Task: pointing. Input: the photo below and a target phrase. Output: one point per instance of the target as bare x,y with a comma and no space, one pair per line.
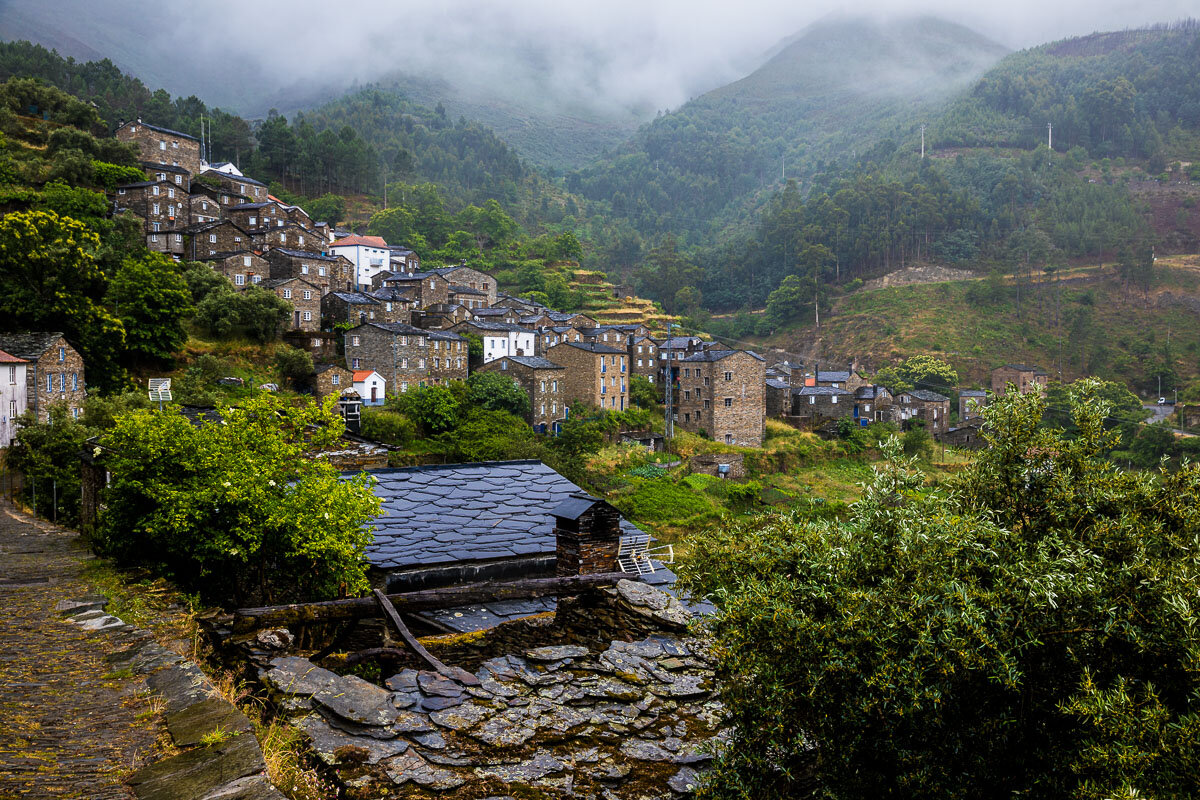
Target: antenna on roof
160,391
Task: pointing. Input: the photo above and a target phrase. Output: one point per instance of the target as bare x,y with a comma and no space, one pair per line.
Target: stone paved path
70,726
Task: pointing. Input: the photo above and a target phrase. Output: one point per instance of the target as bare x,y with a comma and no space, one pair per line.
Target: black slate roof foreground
833,376
438,515
928,396
535,362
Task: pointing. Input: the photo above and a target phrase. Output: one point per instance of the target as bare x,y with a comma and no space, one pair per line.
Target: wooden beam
389,612
252,619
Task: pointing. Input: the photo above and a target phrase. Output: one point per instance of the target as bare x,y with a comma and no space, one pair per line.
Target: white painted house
370,386
14,397
501,339
369,254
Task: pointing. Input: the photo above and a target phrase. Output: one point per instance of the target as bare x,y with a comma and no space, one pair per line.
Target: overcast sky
654,52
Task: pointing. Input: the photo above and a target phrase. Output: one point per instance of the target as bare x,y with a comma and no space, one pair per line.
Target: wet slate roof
535,362
832,376
438,515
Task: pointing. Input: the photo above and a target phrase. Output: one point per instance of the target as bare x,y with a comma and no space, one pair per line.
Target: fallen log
393,616
251,619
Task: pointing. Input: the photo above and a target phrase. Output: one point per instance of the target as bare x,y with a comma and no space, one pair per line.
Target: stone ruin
617,720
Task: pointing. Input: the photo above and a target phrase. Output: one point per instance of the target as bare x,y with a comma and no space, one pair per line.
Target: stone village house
596,374
54,371
161,145
406,356
305,299
14,394
1024,377
722,392
542,380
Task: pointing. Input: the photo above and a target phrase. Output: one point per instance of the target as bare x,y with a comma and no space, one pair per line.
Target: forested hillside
1131,94
831,93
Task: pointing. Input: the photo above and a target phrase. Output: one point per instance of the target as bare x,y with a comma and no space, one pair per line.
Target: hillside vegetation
1089,321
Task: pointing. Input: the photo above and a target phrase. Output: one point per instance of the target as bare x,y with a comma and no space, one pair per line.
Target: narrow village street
71,723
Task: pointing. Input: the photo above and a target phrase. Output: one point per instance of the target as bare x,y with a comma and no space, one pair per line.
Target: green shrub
389,427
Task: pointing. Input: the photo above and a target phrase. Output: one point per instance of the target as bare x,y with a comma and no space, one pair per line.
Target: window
304,269
706,403
49,382
728,376
162,145
74,381
728,402
179,238
283,238
287,294
300,239
404,363
355,363
157,208
253,220
179,182
308,316
307,294
687,394
812,401
120,191
212,239
62,381
335,380
421,363
354,341
458,363
833,399
12,374
240,280
175,145
650,363
62,354
321,270
245,261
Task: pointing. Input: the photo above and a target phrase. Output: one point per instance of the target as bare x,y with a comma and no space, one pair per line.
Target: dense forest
1131,94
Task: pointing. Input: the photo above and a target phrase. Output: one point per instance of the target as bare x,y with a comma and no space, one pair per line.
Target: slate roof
249,206
357,298
718,355
160,167
777,383
496,326
454,289
972,393
833,376
928,396
29,345
437,515
227,254
393,294
1026,368
161,129
593,347
326,367
305,254
869,392
535,362
821,391
491,312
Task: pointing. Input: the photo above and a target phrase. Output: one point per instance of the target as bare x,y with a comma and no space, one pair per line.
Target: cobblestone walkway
70,725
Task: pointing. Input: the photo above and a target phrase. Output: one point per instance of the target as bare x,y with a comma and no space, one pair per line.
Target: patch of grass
117,675
216,736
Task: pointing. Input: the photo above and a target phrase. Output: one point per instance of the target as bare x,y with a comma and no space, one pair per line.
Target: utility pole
1049,136
922,142
669,426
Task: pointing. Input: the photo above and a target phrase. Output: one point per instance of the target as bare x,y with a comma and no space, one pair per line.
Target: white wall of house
368,261
498,344
13,400
373,382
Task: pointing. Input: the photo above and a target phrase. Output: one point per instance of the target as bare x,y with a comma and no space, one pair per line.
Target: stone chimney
587,534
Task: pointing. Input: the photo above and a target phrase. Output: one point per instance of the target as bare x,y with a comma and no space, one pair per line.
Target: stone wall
634,717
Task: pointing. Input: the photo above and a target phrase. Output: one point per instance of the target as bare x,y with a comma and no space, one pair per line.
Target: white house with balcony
369,254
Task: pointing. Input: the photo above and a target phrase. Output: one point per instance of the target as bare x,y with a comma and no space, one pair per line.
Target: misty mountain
836,88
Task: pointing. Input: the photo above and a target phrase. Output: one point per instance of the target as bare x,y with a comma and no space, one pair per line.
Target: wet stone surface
623,721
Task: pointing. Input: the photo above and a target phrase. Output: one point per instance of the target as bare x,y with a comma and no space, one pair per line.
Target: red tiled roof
366,241
361,375
8,358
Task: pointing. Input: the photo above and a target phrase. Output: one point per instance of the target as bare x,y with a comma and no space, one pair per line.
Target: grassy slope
1126,334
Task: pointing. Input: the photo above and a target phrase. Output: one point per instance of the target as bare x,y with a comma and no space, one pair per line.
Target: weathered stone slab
655,604
298,676
411,767
199,772
255,787
356,701
684,781
435,684
539,766
181,685
643,750
191,724
337,747
556,653
461,717
405,681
